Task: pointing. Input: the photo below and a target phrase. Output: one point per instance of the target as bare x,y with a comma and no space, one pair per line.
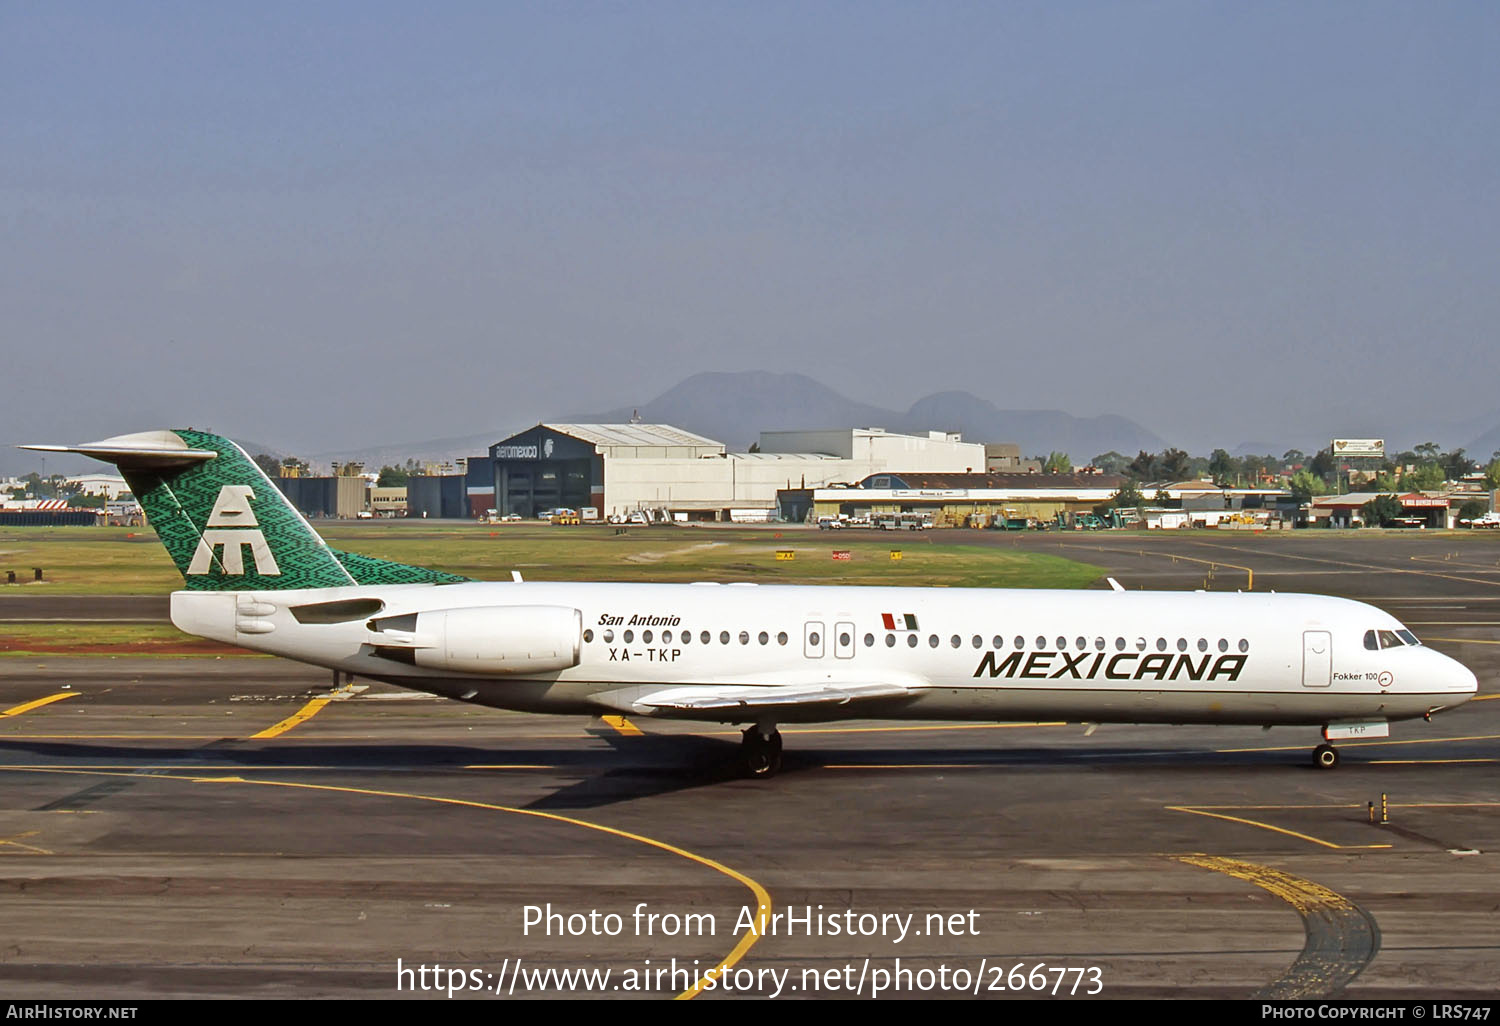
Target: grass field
120,561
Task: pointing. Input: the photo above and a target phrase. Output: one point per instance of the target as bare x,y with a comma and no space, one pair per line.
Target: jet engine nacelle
499,639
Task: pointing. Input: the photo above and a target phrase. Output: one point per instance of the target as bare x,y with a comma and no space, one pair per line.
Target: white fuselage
965,654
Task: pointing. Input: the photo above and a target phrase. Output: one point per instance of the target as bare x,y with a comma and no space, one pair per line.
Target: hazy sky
329,225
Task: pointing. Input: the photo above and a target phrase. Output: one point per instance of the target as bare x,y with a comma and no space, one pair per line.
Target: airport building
620,469
963,500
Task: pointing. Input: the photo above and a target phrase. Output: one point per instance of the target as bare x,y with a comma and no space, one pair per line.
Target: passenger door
1317,659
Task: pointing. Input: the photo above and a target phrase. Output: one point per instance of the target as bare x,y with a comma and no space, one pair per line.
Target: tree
1142,468
269,464
87,501
1428,450
1255,468
1323,464
1057,463
1305,484
1109,462
1292,457
1385,482
1455,464
1492,475
392,477
1424,478
1223,467
1174,464
1382,511
1128,497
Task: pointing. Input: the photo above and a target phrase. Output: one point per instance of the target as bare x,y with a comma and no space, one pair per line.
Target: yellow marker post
895,555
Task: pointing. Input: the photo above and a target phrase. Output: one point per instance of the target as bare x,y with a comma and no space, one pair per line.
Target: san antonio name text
1097,665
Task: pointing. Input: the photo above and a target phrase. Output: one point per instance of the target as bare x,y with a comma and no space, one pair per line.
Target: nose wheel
1325,757
760,751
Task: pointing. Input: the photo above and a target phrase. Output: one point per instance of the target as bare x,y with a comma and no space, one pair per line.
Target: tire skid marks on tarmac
1342,938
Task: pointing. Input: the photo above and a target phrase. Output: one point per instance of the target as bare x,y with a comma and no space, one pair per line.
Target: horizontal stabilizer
146,450
707,699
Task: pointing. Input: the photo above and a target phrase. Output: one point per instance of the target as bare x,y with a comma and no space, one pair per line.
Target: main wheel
761,756
1325,757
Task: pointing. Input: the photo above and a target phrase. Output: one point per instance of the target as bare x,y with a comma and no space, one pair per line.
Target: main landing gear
760,751
1326,757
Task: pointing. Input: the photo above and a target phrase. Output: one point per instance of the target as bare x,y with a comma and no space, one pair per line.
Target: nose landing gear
760,751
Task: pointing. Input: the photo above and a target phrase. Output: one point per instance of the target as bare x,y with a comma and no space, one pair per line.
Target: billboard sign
1359,448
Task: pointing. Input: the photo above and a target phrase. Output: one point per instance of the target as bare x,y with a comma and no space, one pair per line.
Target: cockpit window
1408,637
1370,642
1388,639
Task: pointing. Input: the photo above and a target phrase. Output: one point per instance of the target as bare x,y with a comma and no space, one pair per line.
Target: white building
621,468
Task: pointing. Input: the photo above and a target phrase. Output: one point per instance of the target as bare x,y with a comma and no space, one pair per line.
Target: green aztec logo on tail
228,528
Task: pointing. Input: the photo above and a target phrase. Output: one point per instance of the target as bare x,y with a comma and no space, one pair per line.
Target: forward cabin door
812,639
1317,659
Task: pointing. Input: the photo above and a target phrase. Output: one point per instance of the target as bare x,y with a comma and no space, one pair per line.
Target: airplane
256,575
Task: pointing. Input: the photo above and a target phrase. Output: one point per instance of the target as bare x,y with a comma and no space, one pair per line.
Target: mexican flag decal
899,621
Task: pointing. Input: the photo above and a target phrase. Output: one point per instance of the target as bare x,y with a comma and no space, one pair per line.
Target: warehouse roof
632,434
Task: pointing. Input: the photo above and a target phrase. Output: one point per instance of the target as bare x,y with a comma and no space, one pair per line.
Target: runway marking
1203,811
510,766
26,707
1423,762
1453,623
307,712
762,896
1357,566
1342,938
623,725
302,715
14,842
906,765
1466,641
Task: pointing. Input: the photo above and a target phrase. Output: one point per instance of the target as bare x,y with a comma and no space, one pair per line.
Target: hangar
620,469
956,500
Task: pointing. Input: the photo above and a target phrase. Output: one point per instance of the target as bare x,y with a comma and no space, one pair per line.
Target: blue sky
329,225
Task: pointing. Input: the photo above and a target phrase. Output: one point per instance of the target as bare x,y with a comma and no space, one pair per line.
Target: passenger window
1161,644
723,637
978,641
890,641
1062,644
1041,642
1099,644
705,637
588,635
955,641
1244,645
781,637
763,638
1223,644
911,641
999,642
628,637
869,640
1119,644
646,637
666,637
1140,644
1182,644
609,636
687,637
1202,644
1020,641
1083,643
745,638
932,641
814,639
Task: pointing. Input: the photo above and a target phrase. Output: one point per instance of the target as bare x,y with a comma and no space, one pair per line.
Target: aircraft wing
766,698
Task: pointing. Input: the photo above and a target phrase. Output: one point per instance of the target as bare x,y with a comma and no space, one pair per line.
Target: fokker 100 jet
259,577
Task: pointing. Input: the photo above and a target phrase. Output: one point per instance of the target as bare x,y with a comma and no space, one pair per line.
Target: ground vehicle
565,516
830,523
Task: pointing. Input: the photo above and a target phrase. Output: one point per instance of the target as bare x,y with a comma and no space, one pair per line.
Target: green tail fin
226,526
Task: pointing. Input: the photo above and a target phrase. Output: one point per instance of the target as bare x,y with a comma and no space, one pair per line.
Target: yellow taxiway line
26,707
1267,826
623,725
302,715
762,896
